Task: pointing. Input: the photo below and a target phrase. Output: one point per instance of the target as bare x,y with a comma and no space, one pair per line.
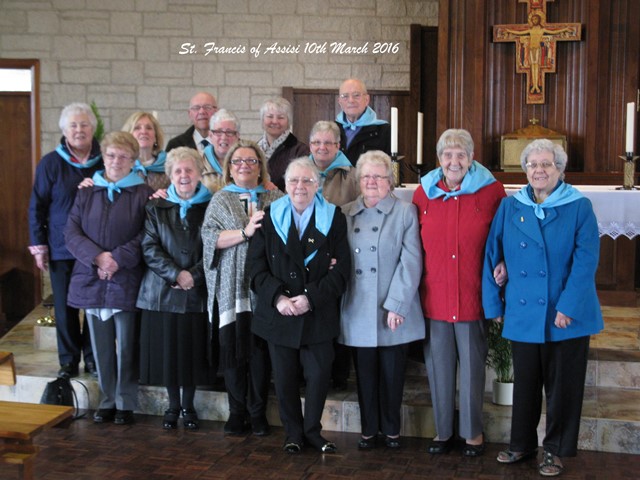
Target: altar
617,211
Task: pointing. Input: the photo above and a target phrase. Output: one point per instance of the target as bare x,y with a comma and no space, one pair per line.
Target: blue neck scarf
202,195
563,194
476,178
341,160
210,155
281,212
130,180
157,166
64,152
369,117
232,187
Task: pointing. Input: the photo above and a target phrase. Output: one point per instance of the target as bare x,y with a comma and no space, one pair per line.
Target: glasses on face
375,178
318,143
112,156
206,108
543,165
306,181
246,161
355,96
228,133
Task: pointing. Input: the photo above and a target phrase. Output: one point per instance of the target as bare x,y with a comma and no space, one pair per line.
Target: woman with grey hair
234,215
456,203
174,347
381,311
547,235
278,143
77,157
299,266
224,131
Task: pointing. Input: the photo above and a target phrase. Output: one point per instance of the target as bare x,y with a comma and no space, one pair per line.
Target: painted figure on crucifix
536,46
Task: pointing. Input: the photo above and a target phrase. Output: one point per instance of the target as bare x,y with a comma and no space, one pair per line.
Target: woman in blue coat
547,235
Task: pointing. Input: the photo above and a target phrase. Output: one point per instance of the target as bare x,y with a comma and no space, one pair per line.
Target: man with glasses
360,128
201,108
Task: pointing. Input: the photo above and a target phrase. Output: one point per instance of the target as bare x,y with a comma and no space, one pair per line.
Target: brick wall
125,54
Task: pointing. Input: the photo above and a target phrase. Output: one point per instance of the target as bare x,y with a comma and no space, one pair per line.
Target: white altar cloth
617,211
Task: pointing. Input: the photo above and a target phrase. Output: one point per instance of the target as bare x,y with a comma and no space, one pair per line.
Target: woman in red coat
456,203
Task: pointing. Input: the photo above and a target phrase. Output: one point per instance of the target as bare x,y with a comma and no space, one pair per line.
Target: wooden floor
86,450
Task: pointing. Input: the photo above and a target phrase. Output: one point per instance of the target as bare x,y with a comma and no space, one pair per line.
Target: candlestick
628,178
419,141
631,115
394,130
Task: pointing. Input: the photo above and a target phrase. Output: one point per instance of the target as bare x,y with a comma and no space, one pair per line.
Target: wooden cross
536,45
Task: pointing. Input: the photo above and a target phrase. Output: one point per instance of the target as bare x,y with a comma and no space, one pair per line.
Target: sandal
549,467
508,456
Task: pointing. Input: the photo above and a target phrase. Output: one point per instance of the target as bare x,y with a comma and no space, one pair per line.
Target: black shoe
322,444
438,447
170,419
190,419
104,415
392,442
473,450
68,370
90,368
292,447
329,447
367,443
124,417
260,426
236,425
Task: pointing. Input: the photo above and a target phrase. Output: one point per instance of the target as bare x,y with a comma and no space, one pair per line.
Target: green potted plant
499,360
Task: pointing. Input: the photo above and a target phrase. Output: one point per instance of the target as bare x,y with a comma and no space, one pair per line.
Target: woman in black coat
173,294
300,264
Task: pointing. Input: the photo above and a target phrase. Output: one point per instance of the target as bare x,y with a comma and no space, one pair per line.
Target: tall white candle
394,130
631,116
419,140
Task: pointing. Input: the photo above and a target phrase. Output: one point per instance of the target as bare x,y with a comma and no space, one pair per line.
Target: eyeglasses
306,181
356,96
246,161
543,165
375,178
206,108
228,133
318,143
112,156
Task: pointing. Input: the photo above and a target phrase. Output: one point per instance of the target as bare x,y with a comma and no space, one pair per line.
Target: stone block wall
153,55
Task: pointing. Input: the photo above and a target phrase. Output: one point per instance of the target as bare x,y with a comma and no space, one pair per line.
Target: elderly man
201,108
360,129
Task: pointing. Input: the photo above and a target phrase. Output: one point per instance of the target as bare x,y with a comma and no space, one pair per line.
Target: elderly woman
56,182
299,269
381,311
456,203
173,339
224,132
234,215
151,162
339,186
547,235
280,146
103,233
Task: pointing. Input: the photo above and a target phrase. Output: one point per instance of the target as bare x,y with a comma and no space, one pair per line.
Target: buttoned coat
371,137
385,274
551,265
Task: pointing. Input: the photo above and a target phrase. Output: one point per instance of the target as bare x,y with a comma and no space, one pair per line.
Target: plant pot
502,393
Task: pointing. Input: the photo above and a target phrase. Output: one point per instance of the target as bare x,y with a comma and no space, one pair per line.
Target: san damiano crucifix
536,45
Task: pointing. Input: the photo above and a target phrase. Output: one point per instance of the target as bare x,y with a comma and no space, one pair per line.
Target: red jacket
453,234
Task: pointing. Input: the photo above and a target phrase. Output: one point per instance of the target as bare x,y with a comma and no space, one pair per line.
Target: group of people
246,256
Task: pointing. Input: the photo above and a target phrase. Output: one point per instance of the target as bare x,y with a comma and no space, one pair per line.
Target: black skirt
175,350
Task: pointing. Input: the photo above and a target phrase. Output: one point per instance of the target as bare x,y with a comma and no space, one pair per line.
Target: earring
155,145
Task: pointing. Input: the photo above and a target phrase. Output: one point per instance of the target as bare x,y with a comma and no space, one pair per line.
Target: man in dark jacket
202,106
360,129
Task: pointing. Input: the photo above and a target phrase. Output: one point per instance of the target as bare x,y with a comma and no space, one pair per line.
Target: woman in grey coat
381,311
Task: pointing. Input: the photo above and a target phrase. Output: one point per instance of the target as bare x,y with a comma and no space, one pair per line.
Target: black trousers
560,368
73,340
380,376
315,361
248,383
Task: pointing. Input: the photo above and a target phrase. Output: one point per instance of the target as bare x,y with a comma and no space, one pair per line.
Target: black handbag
61,392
